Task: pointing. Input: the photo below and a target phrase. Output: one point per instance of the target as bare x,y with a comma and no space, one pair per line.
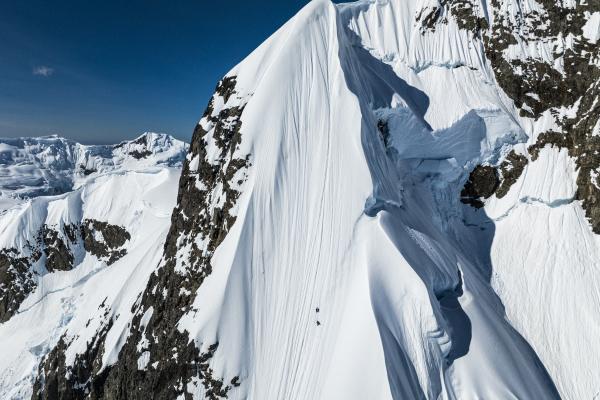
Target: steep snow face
370,208
543,256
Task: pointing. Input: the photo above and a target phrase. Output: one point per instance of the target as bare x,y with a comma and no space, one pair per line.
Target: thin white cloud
43,70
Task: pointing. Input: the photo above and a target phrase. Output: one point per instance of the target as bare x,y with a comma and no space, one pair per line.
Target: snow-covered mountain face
31,167
386,200
64,203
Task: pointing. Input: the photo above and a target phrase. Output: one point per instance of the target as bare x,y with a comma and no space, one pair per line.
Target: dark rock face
101,239
384,132
86,171
144,147
172,360
463,12
58,254
428,17
537,87
226,88
16,282
140,154
510,170
54,372
486,180
483,182
549,138
17,278
142,141
61,381
108,247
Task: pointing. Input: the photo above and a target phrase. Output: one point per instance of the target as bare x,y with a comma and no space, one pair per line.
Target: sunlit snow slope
386,200
72,261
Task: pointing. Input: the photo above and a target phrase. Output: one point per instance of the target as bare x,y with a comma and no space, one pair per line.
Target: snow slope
331,205
77,300
370,208
331,216
123,191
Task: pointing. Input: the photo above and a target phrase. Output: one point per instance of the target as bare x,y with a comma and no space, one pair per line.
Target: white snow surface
591,29
48,165
352,270
414,299
136,194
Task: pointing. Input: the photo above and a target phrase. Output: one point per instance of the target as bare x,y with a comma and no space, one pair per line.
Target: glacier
377,203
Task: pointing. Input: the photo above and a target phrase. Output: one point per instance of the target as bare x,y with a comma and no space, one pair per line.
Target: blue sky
103,71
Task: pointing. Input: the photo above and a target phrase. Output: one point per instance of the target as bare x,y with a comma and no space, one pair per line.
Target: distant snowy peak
148,150
31,167
151,145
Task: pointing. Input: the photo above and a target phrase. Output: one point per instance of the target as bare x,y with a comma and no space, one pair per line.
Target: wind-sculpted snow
378,203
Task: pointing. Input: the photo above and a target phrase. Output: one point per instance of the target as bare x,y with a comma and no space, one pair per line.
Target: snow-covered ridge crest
31,167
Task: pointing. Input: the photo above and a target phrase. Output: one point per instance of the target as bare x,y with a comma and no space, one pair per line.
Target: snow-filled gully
415,205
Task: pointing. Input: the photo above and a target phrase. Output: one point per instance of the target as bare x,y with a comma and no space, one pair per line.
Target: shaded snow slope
370,208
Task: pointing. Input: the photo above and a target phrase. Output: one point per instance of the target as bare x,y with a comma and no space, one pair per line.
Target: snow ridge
378,203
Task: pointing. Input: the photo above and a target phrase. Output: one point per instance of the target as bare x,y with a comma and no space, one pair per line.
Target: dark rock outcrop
58,253
138,155
16,282
172,359
483,182
462,11
58,244
510,170
537,87
104,240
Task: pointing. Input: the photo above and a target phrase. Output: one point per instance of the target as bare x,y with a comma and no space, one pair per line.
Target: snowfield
325,243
